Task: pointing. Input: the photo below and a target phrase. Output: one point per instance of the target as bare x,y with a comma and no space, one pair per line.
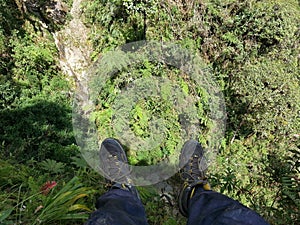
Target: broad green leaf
4,214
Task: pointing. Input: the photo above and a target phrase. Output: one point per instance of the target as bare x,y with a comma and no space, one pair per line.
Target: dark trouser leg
118,207
212,208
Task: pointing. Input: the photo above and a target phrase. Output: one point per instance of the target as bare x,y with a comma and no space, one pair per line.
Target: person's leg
118,207
209,207
122,204
203,206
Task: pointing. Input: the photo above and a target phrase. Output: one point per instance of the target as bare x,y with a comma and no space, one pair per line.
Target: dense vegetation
252,48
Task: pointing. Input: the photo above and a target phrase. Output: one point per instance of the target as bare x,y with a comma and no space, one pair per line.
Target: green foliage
66,203
52,166
35,119
9,17
34,62
11,175
288,177
147,110
140,120
252,47
119,21
159,208
34,94
41,128
8,93
4,214
268,92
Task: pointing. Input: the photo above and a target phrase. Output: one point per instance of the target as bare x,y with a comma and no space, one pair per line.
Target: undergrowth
251,47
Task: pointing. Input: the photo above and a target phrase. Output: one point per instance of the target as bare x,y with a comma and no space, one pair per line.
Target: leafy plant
252,48
156,108
65,204
52,166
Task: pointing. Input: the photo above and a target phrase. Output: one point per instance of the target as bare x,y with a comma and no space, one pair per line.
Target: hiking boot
193,164
114,166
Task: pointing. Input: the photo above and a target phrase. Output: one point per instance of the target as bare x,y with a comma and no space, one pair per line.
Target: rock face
55,10
74,46
71,36
75,51
50,12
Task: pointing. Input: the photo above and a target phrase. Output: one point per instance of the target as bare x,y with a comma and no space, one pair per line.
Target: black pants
120,207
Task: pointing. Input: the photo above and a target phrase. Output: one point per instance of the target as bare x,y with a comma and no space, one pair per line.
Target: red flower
47,187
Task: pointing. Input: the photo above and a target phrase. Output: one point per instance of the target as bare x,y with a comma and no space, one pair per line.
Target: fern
291,185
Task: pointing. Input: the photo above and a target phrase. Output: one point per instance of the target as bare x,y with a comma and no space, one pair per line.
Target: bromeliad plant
66,204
